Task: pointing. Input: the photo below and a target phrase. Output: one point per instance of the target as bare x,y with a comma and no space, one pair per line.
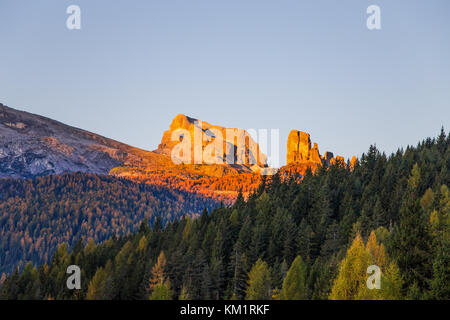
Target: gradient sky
288,64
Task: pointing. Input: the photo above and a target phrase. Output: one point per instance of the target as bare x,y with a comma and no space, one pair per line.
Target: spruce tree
411,243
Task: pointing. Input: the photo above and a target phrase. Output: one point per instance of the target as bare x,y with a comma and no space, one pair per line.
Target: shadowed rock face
32,145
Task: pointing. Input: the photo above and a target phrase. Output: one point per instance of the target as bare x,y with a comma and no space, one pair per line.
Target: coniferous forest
37,215
312,239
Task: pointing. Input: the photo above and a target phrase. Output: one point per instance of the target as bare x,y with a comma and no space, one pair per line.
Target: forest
36,215
312,239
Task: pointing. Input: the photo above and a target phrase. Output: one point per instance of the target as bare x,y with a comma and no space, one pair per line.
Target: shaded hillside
37,215
32,145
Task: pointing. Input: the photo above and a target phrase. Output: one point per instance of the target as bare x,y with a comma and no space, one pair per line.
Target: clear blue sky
288,64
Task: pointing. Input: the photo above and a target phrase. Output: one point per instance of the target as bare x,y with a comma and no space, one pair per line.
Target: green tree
352,272
162,291
411,242
96,285
259,282
184,294
294,285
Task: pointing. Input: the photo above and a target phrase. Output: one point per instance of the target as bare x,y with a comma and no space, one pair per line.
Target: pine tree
440,283
239,269
411,243
440,229
304,240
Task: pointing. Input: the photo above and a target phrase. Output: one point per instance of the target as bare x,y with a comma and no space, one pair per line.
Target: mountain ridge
32,145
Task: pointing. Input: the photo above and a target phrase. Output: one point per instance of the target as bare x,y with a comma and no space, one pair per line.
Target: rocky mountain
32,145
193,155
200,157
301,156
299,151
213,144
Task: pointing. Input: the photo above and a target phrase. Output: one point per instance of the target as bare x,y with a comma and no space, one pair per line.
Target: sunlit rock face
301,156
212,144
299,149
222,160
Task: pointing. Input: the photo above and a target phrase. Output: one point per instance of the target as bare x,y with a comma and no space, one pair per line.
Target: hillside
38,215
308,240
33,146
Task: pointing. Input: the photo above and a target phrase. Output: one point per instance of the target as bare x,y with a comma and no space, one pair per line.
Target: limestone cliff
211,144
300,155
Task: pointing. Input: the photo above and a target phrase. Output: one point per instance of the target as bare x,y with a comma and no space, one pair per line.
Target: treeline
289,240
38,215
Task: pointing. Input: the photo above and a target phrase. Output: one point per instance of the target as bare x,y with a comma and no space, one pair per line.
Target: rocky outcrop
298,146
301,155
337,160
299,149
353,162
327,157
32,145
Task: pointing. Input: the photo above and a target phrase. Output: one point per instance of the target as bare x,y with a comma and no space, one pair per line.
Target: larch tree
294,285
162,291
352,272
159,285
158,275
390,279
96,285
259,282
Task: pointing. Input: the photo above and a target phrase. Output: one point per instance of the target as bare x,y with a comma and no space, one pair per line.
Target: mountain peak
182,121
300,156
213,144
